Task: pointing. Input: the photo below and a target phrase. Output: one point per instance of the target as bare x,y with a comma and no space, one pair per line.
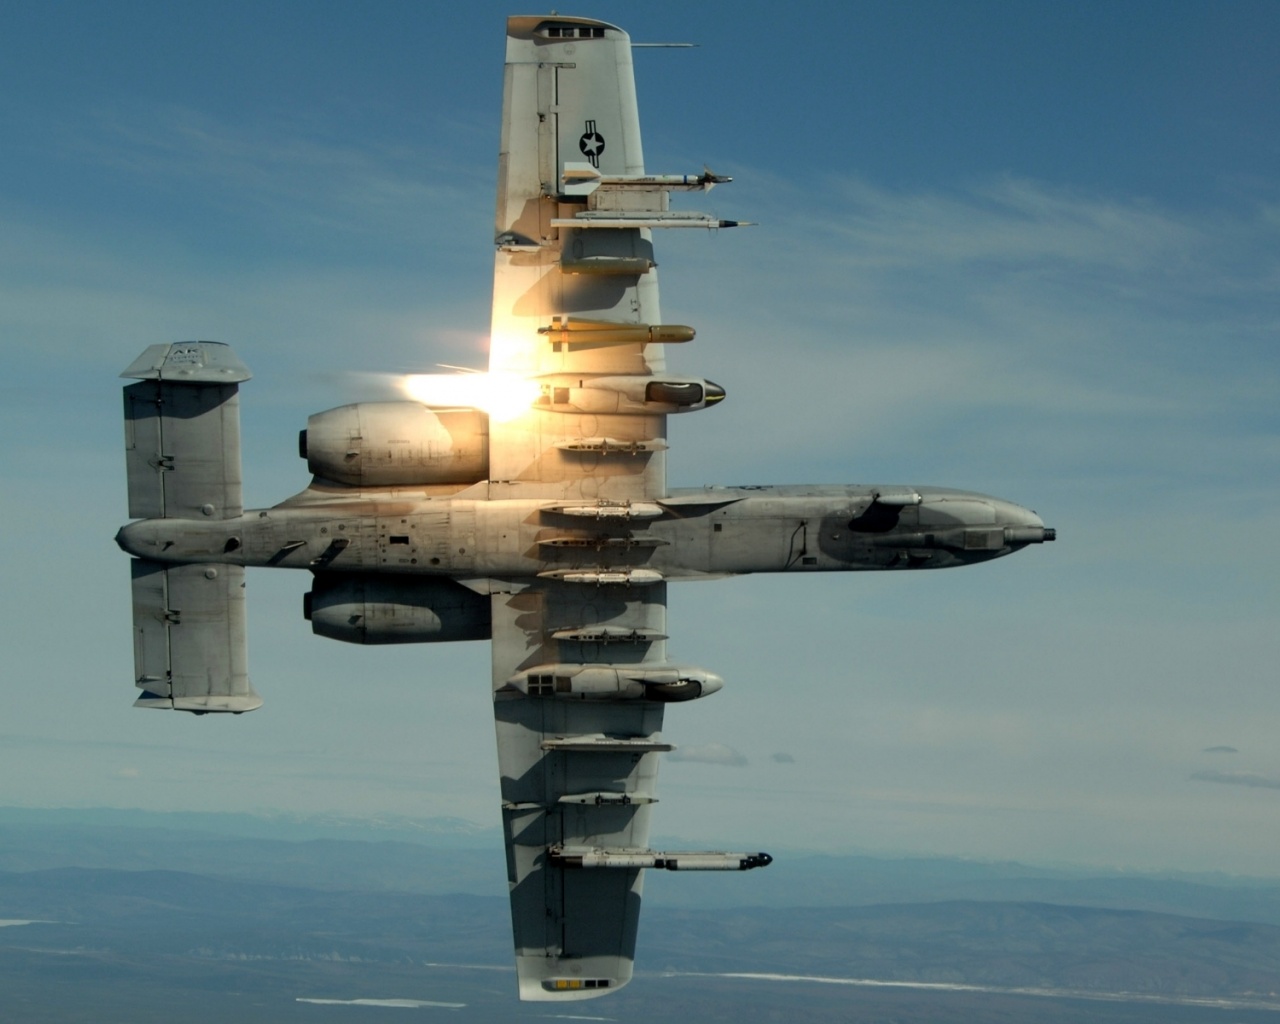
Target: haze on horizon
1031,250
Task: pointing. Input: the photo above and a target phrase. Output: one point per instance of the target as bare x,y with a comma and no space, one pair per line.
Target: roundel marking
591,144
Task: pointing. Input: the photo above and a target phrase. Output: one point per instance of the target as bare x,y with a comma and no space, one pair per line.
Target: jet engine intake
397,444
360,609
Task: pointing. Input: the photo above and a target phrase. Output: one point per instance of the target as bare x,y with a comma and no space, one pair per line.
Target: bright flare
502,396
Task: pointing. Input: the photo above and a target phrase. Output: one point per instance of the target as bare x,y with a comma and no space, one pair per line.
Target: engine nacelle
359,609
397,444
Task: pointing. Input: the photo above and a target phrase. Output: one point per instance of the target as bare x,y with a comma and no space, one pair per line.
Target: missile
572,331
664,684
645,219
625,394
605,577
609,510
583,179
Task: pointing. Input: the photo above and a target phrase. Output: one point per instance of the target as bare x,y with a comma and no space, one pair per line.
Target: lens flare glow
502,396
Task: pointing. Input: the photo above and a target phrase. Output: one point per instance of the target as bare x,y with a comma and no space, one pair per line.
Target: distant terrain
137,922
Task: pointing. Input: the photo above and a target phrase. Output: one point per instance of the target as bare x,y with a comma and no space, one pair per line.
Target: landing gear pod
359,609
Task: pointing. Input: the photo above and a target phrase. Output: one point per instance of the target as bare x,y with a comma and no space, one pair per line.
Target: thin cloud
312,173
1220,750
1060,318
782,758
1251,779
406,1004
1012,222
709,753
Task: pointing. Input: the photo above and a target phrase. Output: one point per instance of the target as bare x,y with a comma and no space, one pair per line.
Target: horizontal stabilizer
190,362
189,638
182,432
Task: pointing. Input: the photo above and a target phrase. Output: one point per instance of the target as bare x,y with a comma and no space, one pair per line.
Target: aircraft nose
711,683
140,539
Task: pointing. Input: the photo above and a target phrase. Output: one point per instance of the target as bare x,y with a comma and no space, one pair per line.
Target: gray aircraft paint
552,532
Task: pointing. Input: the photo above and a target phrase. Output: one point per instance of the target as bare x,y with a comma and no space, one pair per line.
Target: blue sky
1028,249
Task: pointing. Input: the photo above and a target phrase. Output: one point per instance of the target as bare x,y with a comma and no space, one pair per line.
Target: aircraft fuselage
692,533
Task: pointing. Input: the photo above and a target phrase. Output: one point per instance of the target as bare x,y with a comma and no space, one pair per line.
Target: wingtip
562,990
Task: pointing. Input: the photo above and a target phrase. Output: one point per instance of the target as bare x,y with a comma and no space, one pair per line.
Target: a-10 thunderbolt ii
551,530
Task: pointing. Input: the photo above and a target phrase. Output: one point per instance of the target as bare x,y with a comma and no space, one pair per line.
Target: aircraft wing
575,307
578,773
575,293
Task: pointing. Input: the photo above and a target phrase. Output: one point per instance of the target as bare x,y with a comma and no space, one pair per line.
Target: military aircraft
543,522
